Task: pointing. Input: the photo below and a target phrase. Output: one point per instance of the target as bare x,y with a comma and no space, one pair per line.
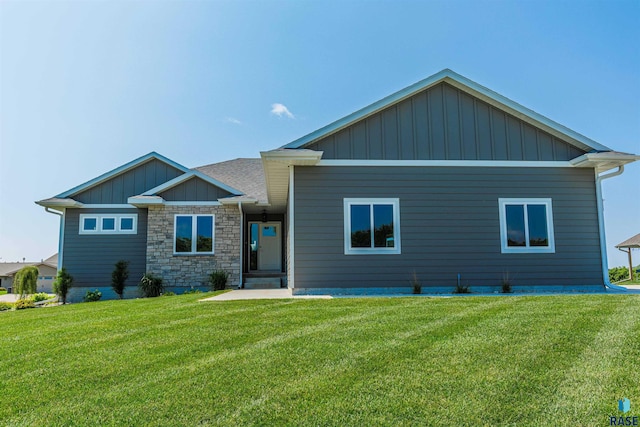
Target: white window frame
116,218
194,234
503,202
348,250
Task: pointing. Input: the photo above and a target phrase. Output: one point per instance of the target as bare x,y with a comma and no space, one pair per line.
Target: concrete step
262,283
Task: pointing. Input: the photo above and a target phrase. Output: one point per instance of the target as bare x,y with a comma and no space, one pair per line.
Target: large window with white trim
371,226
194,234
526,226
108,223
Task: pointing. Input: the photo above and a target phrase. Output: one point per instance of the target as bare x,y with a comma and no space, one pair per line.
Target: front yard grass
514,360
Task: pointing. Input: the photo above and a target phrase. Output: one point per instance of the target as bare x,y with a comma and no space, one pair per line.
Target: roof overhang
604,161
631,243
276,170
59,203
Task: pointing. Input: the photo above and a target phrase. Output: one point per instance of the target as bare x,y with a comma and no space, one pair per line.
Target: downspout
603,239
241,242
61,234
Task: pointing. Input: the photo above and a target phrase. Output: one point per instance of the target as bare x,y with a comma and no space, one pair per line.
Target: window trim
348,202
194,234
505,249
117,222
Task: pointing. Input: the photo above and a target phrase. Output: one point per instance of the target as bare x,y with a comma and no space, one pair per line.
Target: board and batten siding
90,258
194,190
130,183
449,224
443,123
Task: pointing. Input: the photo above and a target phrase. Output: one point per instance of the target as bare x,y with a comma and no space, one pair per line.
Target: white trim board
449,163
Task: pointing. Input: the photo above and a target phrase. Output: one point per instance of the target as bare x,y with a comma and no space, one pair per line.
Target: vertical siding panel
499,135
405,116
515,139
390,132
139,181
359,141
327,145
107,192
343,150
374,132
545,146
530,143
437,124
421,126
468,126
574,152
484,131
150,175
454,150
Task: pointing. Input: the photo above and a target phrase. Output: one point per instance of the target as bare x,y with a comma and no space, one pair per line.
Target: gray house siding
130,183
449,220
194,190
90,259
443,123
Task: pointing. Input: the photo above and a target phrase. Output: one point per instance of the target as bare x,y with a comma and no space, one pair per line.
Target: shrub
26,281
41,296
4,306
151,286
462,289
91,296
21,304
168,294
119,276
417,287
62,284
192,291
218,280
506,283
3,289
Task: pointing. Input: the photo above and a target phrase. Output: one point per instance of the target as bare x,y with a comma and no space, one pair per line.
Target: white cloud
281,110
232,120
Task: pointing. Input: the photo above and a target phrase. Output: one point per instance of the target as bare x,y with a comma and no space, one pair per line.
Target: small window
371,226
108,223
269,231
194,234
526,226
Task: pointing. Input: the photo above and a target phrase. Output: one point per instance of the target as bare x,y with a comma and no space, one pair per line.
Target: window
371,226
194,234
108,223
526,226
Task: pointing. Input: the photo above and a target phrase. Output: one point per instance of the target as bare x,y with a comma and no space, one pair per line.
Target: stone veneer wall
193,270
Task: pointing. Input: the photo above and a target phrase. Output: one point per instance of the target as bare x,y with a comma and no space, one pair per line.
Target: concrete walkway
9,298
243,294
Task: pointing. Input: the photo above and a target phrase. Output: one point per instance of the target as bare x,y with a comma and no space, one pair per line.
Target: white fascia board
119,170
138,201
187,176
463,84
449,163
59,204
292,157
235,200
603,162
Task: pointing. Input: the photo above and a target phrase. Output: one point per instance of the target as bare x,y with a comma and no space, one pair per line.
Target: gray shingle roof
247,175
633,242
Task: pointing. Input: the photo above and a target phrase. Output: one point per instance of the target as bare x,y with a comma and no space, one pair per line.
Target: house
445,180
47,271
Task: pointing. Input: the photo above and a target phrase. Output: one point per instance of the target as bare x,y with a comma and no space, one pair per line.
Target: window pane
253,254
183,233
360,226
537,216
515,225
383,224
269,231
108,224
90,224
126,223
205,234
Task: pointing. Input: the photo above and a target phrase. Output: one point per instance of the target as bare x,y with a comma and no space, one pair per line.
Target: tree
26,281
119,277
62,284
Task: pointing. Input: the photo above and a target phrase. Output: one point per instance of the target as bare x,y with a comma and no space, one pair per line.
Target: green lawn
543,360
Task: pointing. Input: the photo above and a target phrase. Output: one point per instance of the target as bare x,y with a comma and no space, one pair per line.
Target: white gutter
241,241
603,238
61,236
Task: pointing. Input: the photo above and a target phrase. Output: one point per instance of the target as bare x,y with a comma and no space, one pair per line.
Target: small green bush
26,281
462,289
192,291
168,294
218,280
4,306
3,289
92,296
62,284
119,277
41,296
151,285
417,287
21,304
506,283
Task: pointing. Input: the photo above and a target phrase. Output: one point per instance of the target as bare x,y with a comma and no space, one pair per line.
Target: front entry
265,248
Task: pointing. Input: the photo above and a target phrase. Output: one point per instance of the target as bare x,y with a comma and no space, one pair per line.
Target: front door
265,249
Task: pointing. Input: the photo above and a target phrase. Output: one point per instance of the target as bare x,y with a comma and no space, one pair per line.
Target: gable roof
247,175
468,86
119,170
187,176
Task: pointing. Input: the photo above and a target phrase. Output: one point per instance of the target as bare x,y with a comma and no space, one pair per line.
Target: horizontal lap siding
449,224
90,259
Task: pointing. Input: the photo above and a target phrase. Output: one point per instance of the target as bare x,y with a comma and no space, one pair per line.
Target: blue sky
86,86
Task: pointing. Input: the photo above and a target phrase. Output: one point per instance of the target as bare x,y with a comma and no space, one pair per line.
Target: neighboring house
47,271
443,179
